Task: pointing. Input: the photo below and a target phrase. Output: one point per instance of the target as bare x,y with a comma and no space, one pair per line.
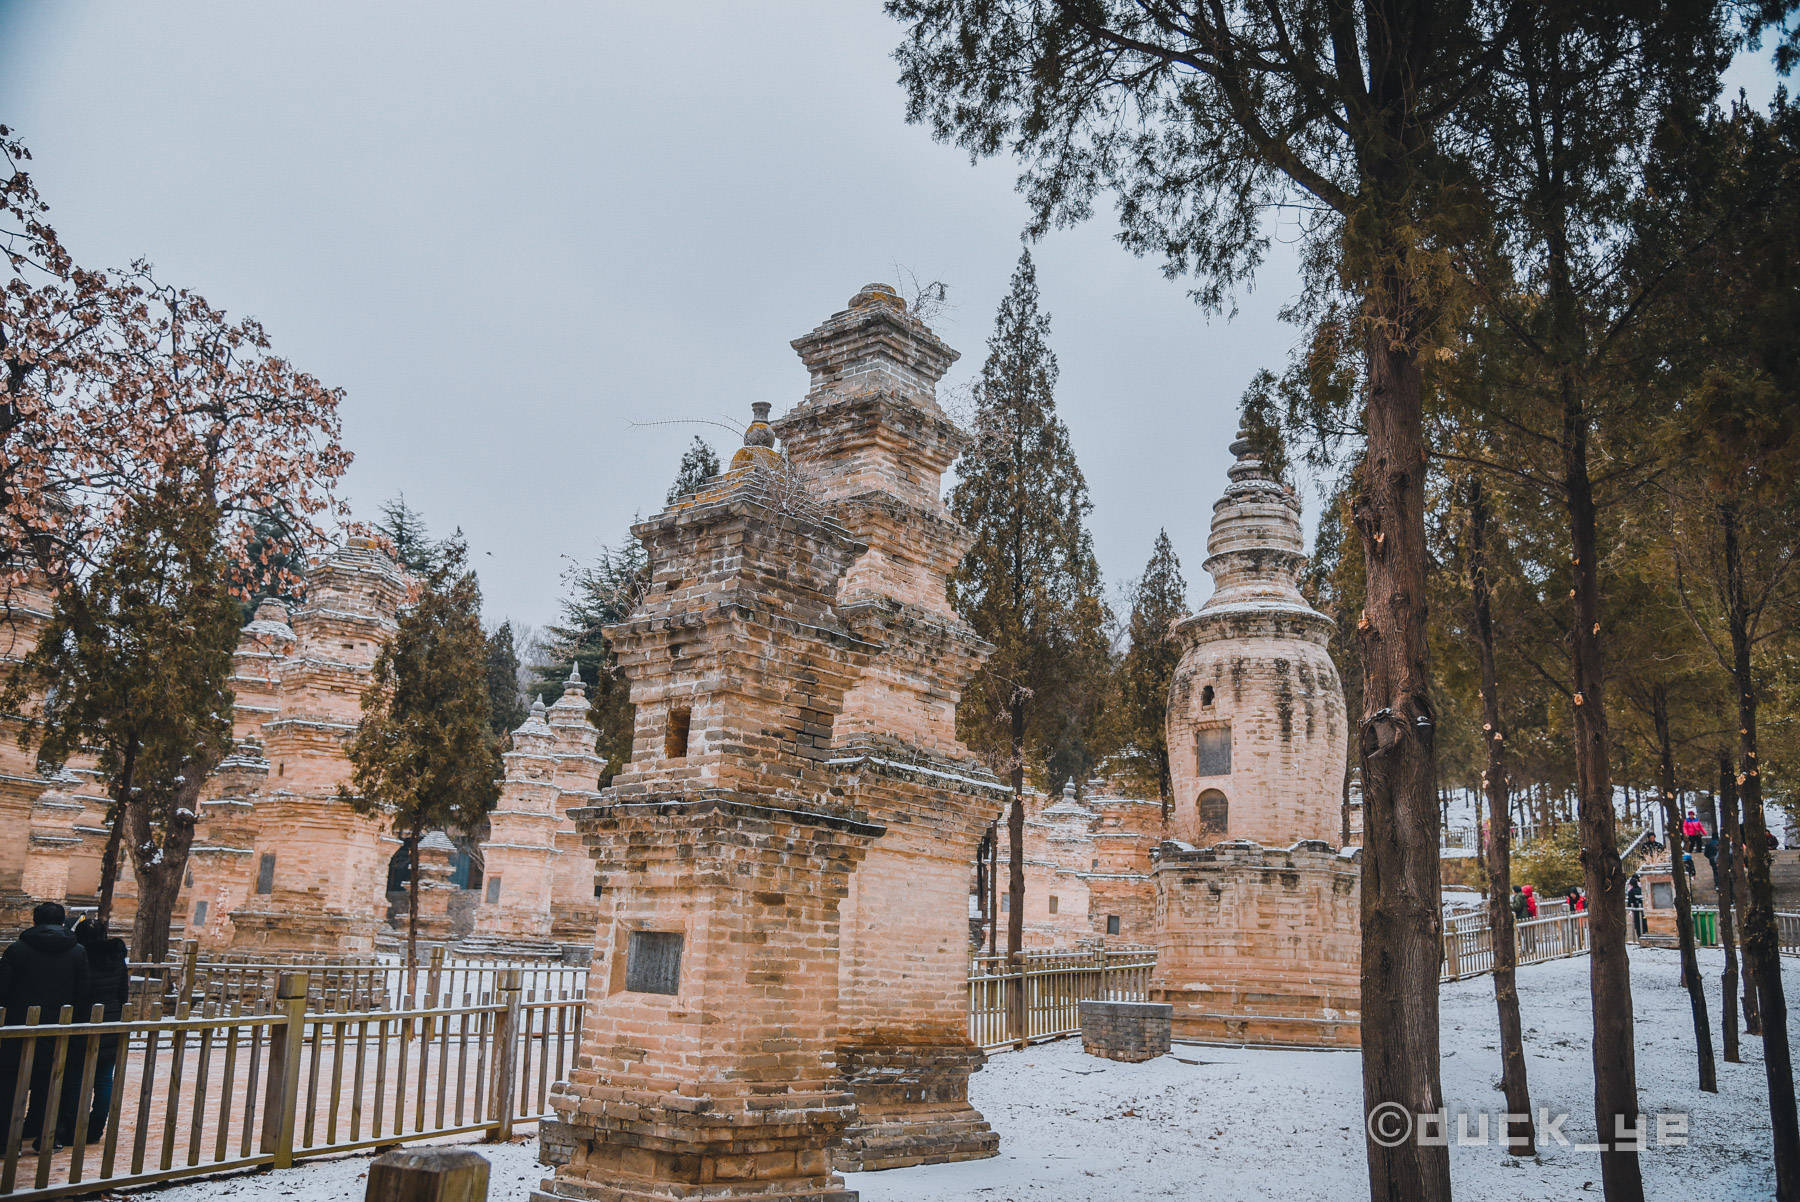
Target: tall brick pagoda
320,868
873,443
1257,911
709,1046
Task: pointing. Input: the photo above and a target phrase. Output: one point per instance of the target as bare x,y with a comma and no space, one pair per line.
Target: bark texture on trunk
158,866
1520,1135
1726,826
1762,946
1684,908
1015,875
1401,874
1616,1107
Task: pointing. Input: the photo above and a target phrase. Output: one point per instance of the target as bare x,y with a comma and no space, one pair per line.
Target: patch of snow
1278,1125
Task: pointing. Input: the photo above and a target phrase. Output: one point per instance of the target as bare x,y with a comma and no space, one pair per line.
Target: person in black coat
46,968
109,986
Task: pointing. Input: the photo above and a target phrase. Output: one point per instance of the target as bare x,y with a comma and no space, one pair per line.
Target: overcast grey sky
510,232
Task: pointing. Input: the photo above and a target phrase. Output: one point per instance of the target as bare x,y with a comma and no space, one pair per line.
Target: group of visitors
1576,901
48,967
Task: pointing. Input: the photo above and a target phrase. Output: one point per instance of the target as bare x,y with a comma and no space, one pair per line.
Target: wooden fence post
506,1055
434,976
190,963
281,1098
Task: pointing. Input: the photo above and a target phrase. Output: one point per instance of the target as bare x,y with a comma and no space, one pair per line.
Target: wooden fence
217,1088
336,983
1038,996
1469,942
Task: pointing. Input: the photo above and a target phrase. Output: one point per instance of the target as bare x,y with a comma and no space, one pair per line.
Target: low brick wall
1126,1030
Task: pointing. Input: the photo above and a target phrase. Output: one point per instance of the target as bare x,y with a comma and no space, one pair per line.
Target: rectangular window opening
493,889
675,744
1112,924
1053,903
265,873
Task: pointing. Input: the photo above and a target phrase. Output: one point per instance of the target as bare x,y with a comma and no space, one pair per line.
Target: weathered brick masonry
1257,914
872,444
1129,1031
708,1064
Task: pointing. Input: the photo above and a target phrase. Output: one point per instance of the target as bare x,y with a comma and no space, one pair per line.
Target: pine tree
1158,600
506,707
134,666
698,465
600,594
414,548
1029,583
423,753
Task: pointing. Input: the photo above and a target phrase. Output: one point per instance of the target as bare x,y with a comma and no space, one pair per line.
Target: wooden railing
1787,929
226,979
1038,996
1469,942
216,1088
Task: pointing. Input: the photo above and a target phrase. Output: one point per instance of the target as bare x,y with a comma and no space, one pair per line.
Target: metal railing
219,1089
1469,942
1038,995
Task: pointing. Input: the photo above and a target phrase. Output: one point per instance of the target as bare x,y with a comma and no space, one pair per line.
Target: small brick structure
1130,1031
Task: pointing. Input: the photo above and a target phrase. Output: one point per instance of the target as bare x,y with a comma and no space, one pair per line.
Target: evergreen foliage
698,465
413,547
506,706
1029,583
1158,600
424,753
135,665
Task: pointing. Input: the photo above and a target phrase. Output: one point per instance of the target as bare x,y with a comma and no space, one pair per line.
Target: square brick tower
873,443
708,1064
320,868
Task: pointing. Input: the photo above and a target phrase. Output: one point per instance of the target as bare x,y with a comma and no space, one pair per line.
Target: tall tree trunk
1725,826
1684,909
1762,947
1740,891
109,862
119,791
158,866
1402,921
1520,1134
1616,1107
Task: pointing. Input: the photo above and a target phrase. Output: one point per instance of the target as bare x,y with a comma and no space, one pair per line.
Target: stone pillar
321,868
708,1064
873,443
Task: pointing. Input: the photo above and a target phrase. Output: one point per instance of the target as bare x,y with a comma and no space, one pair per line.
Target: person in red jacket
1531,908
1695,830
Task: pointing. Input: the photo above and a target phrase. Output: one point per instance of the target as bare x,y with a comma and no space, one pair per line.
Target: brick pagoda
873,443
1257,912
708,1064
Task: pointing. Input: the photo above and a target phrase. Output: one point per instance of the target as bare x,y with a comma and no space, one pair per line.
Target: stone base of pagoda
912,1107
619,1145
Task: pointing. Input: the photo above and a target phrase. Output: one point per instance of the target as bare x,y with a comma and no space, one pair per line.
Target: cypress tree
1158,600
135,665
506,708
423,753
1029,583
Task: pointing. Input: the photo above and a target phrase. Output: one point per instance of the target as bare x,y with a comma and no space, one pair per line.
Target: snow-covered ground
1231,1123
